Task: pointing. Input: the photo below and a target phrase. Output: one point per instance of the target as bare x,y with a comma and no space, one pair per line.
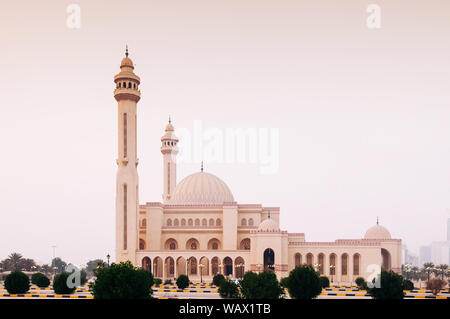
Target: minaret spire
169,150
201,167
377,221
126,51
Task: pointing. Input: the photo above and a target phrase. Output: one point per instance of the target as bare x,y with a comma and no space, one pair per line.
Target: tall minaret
169,149
127,95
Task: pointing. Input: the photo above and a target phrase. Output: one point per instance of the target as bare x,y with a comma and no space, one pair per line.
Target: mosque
200,230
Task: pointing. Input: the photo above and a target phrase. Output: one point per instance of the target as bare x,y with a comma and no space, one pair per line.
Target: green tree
182,282
260,286
428,269
391,286
284,282
304,283
13,262
122,281
92,264
17,282
228,289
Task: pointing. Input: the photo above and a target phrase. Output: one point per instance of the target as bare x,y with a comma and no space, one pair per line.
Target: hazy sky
363,114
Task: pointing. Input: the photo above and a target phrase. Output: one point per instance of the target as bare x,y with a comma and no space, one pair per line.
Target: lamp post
201,272
332,272
107,257
54,272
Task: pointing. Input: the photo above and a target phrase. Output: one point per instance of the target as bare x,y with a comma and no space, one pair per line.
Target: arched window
141,243
176,222
218,222
169,222
204,222
344,261
356,264
244,222
129,85
321,265
309,259
190,222
332,264
171,244
211,222
298,259
120,85
197,222
144,223
214,244
192,244
245,244
183,222
250,222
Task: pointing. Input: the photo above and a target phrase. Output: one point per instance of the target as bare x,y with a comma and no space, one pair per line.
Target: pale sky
363,114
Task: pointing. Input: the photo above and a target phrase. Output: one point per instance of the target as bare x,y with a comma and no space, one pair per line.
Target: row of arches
194,244
171,267
319,263
249,222
194,222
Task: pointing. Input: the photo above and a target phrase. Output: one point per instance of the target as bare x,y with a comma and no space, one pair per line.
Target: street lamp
332,272
107,257
201,272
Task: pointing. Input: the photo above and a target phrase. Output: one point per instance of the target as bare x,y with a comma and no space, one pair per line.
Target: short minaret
169,149
127,95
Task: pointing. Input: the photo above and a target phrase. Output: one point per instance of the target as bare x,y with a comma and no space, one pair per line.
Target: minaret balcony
127,94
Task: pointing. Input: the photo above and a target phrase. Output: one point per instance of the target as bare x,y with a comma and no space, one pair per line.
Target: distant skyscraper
448,229
425,255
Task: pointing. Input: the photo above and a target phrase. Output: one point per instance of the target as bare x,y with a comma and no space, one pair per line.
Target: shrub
304,283
435,285
40,280
122,281
260,286
60,284
158,281
182,281
361,283
408,285
218,279
324,281
228,289
391,286
168,282
17,282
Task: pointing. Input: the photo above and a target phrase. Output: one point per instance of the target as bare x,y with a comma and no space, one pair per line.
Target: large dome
377,232
201,188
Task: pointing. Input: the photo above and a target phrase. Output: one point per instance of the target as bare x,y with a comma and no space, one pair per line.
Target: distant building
448,229
425,255
408,257
440,252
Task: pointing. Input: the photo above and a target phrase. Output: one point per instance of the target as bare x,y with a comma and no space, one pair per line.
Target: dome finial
377,220
169,120
201,168
126,51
